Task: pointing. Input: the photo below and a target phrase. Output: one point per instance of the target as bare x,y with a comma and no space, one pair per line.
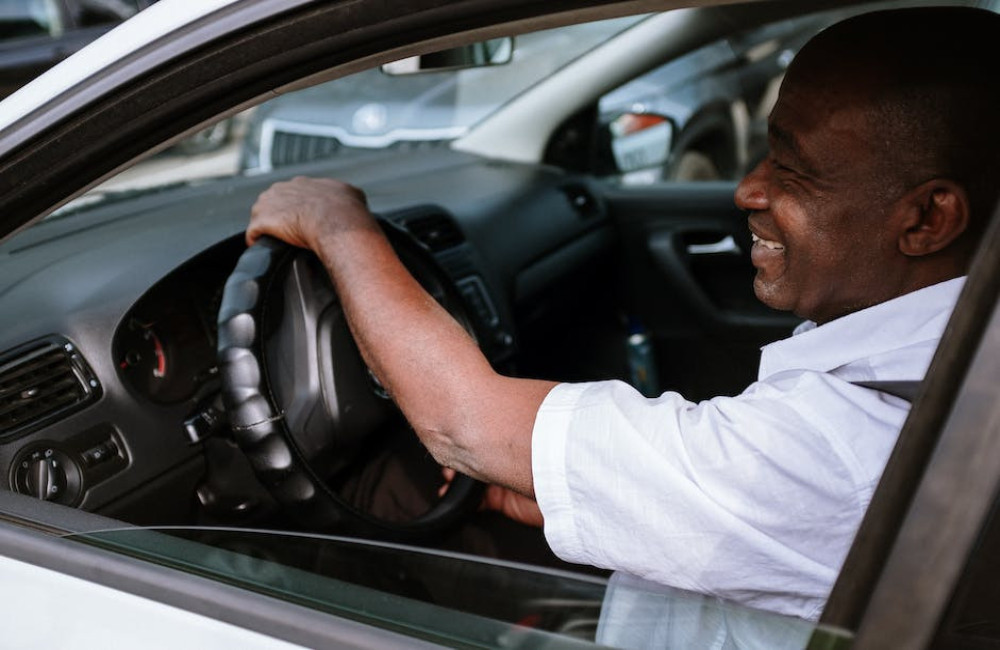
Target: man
881,176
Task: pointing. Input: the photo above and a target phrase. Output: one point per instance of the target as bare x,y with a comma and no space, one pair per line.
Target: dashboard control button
209,418
99,454
49,474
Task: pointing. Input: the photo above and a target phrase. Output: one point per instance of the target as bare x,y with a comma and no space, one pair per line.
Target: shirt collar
911,318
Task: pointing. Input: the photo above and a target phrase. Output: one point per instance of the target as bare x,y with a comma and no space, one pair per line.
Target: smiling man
874,171
883,170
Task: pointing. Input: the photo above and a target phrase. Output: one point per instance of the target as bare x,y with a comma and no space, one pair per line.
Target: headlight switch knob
48,474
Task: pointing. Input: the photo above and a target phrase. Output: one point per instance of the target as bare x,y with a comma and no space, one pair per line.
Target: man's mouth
766,243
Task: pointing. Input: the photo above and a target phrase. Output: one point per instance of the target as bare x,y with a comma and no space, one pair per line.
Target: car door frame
688,280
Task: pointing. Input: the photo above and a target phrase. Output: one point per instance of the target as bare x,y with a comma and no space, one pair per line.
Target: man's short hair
935,105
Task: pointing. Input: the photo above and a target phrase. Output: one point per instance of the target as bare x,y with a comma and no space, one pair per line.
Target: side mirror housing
639,141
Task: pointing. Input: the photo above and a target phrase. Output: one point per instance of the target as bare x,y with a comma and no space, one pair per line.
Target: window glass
26,18
709,107
373,111
105,12
973,617
455,599
370,113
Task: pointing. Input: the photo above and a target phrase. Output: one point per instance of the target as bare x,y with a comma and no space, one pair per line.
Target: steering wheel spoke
314,367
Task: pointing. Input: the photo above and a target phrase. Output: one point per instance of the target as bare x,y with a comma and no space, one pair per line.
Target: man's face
817,205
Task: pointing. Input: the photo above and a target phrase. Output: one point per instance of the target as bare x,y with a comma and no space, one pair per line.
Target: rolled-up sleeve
752,498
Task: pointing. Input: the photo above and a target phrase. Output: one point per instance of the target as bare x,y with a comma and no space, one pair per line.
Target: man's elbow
454,425
484,430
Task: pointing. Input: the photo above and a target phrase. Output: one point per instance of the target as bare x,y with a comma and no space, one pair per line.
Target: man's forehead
820,125
796,114
823,90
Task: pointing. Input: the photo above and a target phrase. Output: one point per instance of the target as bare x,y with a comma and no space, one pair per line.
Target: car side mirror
639,141
497,51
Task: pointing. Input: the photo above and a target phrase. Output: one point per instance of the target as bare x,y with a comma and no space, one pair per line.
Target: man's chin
771,294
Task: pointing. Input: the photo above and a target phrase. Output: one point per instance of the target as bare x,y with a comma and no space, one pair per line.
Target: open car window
456,599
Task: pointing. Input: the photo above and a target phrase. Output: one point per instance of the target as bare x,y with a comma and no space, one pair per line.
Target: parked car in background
417,109
37,34
715,99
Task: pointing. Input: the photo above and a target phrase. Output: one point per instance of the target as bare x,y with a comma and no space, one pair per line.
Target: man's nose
751,193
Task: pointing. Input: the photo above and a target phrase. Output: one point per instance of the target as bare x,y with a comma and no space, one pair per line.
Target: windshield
367,112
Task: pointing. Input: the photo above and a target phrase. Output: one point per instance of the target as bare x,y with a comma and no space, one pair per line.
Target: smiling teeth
767,243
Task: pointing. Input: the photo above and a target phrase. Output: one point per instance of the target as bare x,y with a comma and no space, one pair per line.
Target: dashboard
127,294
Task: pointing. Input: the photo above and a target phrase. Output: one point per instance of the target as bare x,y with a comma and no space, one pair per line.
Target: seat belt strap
904,389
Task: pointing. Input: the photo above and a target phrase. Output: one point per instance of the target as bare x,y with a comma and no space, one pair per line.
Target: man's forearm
469,417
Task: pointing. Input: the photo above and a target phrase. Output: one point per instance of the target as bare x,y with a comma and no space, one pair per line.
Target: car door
685,252
65,157
685,246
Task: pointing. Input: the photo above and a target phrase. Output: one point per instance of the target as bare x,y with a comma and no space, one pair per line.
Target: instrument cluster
165,347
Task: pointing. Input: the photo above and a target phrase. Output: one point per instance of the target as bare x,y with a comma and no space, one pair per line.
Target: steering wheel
302,404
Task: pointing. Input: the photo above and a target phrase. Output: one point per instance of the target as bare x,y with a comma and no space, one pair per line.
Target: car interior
552,269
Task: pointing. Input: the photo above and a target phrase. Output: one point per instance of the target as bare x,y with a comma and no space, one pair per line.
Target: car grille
297,148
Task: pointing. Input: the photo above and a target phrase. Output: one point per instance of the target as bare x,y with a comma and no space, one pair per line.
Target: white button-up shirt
753,498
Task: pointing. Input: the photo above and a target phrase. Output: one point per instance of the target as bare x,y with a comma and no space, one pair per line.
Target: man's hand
305,211
516,506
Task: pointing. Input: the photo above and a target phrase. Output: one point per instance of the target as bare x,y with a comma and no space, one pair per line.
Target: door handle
725,246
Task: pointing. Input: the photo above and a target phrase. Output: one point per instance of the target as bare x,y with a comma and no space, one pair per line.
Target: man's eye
778,165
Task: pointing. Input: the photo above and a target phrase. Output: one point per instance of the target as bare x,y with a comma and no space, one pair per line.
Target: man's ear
936,213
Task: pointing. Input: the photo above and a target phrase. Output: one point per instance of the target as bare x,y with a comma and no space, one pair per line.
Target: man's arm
469,417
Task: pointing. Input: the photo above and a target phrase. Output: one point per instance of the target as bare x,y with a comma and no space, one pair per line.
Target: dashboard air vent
41,382
436,231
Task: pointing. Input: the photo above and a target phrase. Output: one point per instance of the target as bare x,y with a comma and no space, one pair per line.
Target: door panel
688,281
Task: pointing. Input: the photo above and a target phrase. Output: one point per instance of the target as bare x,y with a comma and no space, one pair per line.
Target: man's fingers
298,211
515,506
449,476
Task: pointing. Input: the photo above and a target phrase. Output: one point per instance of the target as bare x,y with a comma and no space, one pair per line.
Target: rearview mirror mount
497,51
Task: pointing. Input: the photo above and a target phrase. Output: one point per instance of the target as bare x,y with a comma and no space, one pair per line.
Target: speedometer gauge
142,358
